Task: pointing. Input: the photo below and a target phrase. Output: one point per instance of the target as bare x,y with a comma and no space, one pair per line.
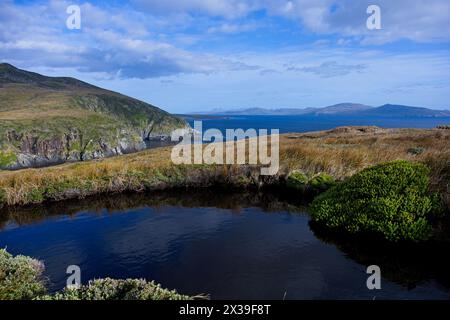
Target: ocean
303,123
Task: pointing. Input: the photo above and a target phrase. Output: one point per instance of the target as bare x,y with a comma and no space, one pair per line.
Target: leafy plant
20,277
321,182
391,199
297,180
112,289
318,183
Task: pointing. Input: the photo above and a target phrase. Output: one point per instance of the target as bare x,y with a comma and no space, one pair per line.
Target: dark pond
229,245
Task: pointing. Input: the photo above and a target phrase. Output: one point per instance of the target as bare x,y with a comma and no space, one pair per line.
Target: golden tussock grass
340,152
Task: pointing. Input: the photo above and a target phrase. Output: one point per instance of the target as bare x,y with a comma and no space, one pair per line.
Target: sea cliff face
30,150
46,121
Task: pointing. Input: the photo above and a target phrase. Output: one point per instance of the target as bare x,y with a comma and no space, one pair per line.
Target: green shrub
297,180
318,183
35,195
390,199
321,182
111,289
20,277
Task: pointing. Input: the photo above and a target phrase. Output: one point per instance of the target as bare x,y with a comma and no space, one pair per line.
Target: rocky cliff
51,120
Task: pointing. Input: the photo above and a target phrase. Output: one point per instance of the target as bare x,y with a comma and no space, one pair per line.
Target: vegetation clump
20,277
390,199
297,180
317,183
6,158
112,289
321,182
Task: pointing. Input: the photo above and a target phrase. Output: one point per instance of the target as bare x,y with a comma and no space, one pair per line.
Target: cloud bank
251,51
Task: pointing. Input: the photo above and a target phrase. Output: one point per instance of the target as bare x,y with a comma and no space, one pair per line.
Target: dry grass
340,152
344,151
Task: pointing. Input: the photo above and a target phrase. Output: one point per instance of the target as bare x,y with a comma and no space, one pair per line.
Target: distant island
341,109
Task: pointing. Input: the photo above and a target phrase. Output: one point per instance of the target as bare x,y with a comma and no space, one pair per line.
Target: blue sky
200,55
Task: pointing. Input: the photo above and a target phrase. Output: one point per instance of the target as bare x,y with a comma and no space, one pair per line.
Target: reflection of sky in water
245,254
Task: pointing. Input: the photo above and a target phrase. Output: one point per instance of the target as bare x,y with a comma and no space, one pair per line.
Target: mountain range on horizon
341,109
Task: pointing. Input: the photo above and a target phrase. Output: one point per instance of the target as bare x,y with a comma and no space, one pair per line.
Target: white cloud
127,48
106,44
416,20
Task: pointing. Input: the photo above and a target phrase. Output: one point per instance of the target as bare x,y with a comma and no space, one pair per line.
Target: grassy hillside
53,119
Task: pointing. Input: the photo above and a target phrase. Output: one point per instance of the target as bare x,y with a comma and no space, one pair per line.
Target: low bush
318,183
391,199
297,180
321,182
20,277
112,289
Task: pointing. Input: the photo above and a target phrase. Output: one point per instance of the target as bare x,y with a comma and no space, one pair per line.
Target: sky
202,55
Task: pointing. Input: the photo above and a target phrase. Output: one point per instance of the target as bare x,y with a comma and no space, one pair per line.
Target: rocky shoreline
34,152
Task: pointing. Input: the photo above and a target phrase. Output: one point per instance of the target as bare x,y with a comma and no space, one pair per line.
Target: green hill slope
49,120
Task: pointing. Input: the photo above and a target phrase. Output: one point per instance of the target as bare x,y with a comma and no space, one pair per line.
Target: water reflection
190,198
254,245
409,264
